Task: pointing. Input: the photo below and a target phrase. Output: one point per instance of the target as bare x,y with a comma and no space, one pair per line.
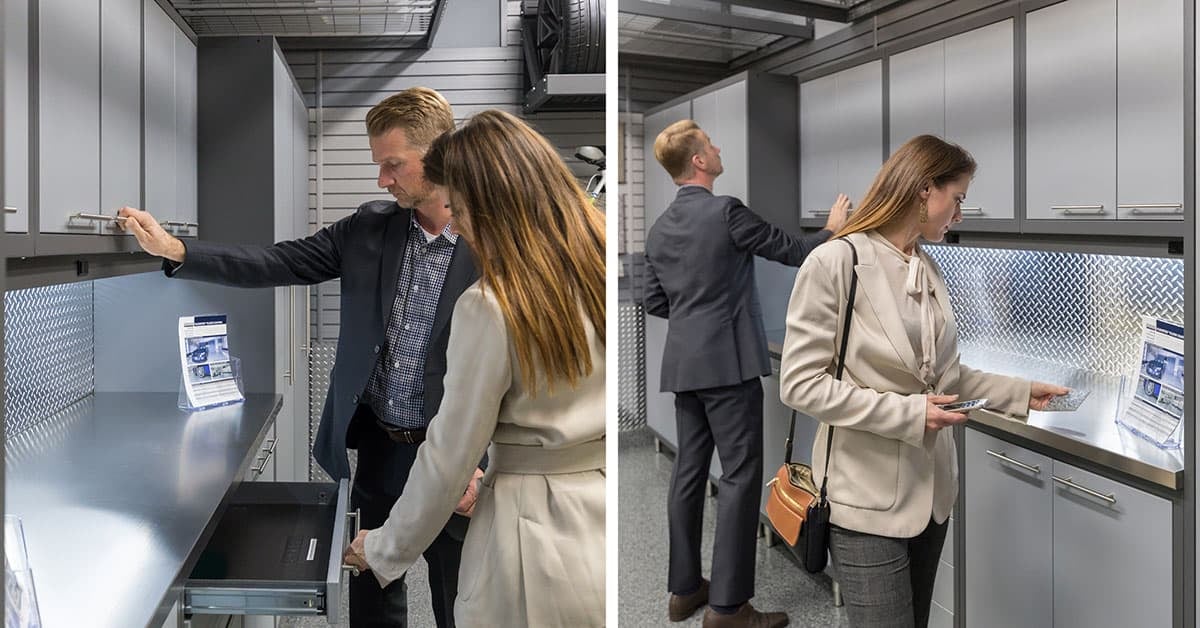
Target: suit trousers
729,418
887,582
374,495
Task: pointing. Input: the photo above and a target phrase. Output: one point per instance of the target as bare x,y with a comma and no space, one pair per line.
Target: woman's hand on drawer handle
150,235
356,554
1040,394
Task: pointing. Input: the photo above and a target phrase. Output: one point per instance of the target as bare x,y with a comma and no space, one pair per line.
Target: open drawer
276,551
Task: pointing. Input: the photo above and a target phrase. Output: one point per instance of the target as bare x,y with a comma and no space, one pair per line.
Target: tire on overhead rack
584,36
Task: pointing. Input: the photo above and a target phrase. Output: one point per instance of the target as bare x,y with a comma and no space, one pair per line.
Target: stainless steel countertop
116,495
1091,432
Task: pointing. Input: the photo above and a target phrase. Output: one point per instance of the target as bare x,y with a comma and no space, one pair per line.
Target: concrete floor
780,584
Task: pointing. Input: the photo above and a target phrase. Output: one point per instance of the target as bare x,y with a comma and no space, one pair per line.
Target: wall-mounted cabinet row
1103,107
100,112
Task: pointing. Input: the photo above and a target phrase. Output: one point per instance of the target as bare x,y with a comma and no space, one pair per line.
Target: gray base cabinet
1112,553
1049,544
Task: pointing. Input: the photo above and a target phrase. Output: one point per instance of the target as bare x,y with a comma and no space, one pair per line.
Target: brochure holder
20,598
1160,428
186,404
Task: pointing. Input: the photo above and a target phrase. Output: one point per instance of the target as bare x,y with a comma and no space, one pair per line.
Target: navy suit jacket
365,250
700,277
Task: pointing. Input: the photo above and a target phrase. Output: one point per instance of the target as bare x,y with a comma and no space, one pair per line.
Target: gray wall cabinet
979,115
840,135
15,20
1071,111
68,138
961,89
1051,544
120,106
186,194
1150,117
161,155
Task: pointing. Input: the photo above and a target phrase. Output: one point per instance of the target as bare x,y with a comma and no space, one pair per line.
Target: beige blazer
534,552
888,474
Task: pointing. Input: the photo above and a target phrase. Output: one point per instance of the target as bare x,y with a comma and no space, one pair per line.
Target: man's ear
697,162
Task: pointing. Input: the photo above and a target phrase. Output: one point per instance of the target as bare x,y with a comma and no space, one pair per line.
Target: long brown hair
538,239
924,160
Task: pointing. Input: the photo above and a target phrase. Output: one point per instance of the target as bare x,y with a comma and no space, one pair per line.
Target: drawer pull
357,516
971,211
10,210
1149,208
819,212
999,455
87,216
176,223
1067,482
1079,209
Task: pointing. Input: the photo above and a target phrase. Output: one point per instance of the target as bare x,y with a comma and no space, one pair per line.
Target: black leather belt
398,435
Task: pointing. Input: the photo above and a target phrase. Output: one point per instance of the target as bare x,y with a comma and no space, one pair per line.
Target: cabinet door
660,189
979,115
916,94
723,115
860,109
819,142
68,114
159,87
1070,98
16,114
1150,109
186,172
121,108
1008,535
1112,553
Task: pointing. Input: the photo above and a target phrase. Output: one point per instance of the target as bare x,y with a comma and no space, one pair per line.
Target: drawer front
232,578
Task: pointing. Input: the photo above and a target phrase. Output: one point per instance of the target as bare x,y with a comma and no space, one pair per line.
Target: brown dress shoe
745,617
681,607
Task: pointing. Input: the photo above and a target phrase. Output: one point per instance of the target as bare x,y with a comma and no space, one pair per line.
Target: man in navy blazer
402,268
700,277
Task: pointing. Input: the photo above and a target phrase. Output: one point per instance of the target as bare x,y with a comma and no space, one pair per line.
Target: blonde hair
538,240
675,146
422,113
922,161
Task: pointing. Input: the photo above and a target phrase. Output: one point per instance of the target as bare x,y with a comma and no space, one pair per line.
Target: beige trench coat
534,552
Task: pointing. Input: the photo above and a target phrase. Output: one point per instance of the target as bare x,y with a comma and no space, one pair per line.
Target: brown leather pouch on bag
792,492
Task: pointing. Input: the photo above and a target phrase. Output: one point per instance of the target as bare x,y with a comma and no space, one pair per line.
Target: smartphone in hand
965,406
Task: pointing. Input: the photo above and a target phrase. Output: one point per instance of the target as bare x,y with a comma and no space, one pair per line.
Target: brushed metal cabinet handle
999,455
1069,483
1079,209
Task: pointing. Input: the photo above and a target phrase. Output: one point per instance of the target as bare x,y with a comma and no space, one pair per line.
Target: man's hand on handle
150,235
838,213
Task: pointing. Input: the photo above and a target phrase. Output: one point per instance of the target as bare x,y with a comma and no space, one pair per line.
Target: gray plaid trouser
886,582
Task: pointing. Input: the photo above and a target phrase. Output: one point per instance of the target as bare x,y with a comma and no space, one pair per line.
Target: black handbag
797,511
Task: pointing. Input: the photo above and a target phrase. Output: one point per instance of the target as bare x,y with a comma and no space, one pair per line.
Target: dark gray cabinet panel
120,106
979,115
1150,130
15,20
1008,535
1071,117
68,114
1112,553
159,84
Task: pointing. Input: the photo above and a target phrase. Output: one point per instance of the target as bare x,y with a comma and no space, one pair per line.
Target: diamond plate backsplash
631,364
49,351
320,365
1079,310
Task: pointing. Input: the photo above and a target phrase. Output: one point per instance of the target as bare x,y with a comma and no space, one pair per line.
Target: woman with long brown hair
525,374
892,471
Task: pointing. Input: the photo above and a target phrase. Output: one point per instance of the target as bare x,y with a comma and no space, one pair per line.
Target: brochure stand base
1161,429
186,404
20,598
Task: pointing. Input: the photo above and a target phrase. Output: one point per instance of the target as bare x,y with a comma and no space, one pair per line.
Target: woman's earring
923,216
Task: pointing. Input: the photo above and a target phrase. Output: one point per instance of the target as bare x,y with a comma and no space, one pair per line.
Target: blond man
402,269
700,277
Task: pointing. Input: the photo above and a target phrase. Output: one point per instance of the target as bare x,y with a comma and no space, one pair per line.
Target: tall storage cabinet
253,157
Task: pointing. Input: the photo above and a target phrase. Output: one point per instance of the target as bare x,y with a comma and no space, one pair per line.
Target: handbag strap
841,365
